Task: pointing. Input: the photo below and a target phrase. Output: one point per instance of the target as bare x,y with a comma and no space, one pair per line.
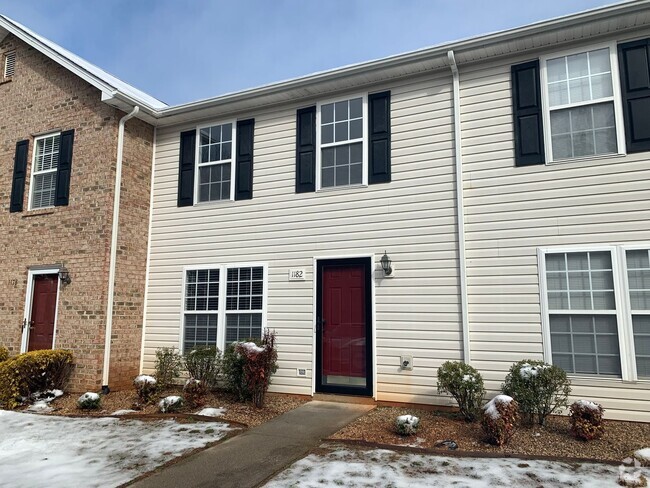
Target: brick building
59,136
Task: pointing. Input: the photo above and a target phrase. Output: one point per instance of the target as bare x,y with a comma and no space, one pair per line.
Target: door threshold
338,398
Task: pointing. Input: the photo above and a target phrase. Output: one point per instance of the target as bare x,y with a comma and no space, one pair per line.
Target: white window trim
616,98
622,301
363,140
29,298
33,168
221,313
198,164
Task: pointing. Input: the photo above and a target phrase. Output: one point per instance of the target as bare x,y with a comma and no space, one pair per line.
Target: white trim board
29,297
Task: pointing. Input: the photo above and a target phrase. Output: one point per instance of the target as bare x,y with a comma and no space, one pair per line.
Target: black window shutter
634,63
64,169
379,138
306,150
527,111
244,160
186,168
20,172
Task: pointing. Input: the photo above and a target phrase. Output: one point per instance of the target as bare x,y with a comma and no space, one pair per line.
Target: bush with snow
145,387
167,366
89,401
643,457
499,418
170,404
204,364
539,388
634,479
586,420
465,384
195,392
407,424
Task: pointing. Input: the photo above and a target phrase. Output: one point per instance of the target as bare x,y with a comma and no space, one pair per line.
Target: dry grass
555,439
243,413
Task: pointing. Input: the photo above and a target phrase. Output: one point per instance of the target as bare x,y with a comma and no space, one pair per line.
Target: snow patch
60,452
491,407
123,412
211,412
588,404
88,396
168,403
43,400
643,454
469,378
252,347
144,378
527,371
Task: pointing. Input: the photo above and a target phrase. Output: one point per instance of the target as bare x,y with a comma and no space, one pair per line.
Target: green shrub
195,392
407,425
170,404
89,401
539,388
204,364
145,387
4,354
167,367
586,420
258,364
25,374
499,418
465,384
233,373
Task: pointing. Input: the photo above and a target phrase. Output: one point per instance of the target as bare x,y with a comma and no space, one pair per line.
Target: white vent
10,64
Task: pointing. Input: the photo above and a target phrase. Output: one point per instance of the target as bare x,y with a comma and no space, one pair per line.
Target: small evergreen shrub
259,363
4,354
145,387
499,418
195,392
204,364
586,420
89,401
407,425
465,384
170,404
167,367
23,375
233,373
539,388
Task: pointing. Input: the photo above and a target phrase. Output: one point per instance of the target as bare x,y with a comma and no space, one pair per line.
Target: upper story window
582,104
342,143
215,163
9,65
44,169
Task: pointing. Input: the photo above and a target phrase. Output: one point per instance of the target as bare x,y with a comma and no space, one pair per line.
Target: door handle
24,324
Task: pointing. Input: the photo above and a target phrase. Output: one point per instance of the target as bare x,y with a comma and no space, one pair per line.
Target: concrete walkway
248,459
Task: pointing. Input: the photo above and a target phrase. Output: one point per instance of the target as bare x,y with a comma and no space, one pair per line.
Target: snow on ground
352,468
47,451
212,412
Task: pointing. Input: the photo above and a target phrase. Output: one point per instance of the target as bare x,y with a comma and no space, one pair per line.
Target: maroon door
344,325
41,326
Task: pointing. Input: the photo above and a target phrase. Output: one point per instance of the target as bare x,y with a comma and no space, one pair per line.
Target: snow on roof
49,48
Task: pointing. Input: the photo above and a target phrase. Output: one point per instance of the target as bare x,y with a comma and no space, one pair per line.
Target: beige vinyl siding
413,218
510,212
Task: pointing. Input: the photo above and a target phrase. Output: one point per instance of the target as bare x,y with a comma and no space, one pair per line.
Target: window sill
609,380
586,159
211,203
38,212
341,188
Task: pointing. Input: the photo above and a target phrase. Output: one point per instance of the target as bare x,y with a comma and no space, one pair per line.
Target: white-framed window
596,310
215,170
223,304
582,104
342,142
9,64
45,162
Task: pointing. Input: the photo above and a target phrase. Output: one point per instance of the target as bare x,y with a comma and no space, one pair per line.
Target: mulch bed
245,414
554,440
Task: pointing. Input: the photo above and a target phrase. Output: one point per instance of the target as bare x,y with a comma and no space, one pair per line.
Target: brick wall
42,96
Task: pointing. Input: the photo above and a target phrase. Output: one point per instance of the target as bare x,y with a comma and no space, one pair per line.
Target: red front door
343,326
41,325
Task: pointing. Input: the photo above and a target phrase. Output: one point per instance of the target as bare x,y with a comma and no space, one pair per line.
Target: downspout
460,209
113,256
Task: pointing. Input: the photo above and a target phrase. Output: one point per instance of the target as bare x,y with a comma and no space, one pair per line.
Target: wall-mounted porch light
64,276
386,264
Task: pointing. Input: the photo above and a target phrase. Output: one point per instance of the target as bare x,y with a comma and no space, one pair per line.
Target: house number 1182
296,275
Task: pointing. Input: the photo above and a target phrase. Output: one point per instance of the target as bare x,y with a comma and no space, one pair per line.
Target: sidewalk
247,459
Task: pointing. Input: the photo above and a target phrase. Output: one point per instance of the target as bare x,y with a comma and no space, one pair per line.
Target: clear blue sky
184,50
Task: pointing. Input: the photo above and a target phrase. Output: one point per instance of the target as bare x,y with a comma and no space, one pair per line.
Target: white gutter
113,256
460,212
146,279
